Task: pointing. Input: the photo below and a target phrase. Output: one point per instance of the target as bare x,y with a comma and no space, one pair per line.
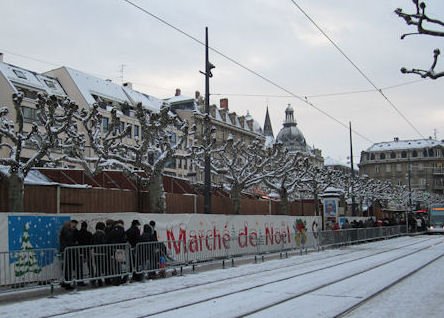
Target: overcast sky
271,37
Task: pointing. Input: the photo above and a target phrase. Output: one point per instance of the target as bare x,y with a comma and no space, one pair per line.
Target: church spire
268,130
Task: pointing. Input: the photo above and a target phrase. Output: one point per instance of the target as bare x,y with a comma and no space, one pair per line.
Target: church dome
292,138
290,135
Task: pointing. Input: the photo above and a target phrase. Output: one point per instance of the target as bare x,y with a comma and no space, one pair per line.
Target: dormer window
20,74
50,84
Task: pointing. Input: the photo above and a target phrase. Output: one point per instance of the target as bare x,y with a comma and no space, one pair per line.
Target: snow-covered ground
320,284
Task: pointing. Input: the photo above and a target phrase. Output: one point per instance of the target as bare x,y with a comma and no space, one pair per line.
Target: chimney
178,92
128,85
224,103
1,57
396,139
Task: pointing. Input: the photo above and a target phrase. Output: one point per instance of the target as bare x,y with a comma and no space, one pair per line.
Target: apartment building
419,161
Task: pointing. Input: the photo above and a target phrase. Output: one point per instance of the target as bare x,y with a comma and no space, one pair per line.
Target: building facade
14,79
86,90
419,162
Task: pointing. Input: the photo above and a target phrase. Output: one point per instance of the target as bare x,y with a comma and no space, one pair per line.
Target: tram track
366,300
147,296
342,279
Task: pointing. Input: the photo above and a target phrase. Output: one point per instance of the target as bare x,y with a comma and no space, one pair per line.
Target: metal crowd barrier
28,268
358,235
97,262
119,262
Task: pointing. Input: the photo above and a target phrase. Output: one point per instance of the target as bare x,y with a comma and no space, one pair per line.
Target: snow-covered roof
269,141
89,84
180,98
149,102
21,76
256,126
405,144
329,161
35,177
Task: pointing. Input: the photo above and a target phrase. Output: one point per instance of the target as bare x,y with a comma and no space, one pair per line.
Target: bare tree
146,159
424,25
55,124
288,177
242,165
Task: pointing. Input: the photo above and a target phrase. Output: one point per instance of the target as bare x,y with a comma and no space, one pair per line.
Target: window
136,131
382,156
414,154
170,164
105,124
403,154
129,135
377,169
372,156
388,168
179,163
29,114
28,93
185,164
393,155
20,74
398,167
121,127
50,84
425,153
431,154
420,166
173,139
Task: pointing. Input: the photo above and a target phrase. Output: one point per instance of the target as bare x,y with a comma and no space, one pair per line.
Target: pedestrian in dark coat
117,234
133,233
101,260
68,238
98,238
67,235
84,238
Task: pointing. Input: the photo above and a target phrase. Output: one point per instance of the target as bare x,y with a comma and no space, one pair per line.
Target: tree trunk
157,195
235,198
16,192
283,205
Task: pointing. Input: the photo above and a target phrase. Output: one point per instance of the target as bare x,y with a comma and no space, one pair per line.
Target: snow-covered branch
427,26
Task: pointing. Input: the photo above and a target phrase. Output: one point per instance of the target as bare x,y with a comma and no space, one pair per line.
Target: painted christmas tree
27,261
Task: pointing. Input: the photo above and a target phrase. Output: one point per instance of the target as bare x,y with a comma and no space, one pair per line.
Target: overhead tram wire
357,68
322,95
303,99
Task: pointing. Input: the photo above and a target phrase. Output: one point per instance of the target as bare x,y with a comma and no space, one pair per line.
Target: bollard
280,255
232,262
263,258
51,291
75,286
194,268
286,254
181,271
255,259
223,263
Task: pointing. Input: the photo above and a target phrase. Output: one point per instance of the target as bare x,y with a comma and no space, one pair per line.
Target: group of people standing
102,255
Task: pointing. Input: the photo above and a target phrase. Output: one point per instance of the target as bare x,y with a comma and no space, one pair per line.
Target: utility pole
207,129
352,172
410,190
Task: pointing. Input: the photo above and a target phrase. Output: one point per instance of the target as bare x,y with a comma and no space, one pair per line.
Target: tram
436,218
